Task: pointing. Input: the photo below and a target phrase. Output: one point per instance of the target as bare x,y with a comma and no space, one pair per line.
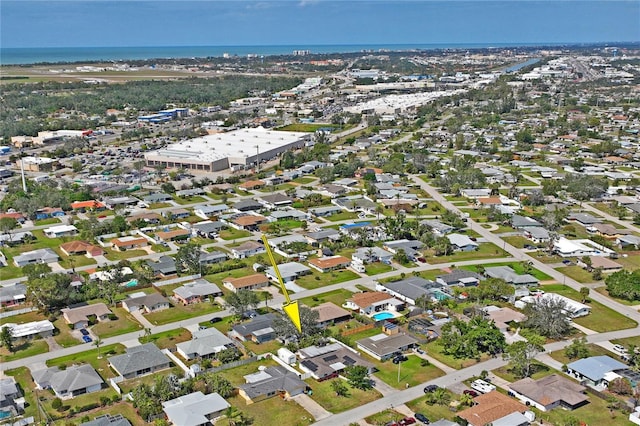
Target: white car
620,349
482,386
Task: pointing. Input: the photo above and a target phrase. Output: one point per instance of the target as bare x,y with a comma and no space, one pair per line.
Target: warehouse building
236,149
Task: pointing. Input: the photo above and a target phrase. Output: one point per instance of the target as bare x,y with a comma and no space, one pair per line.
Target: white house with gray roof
510,276
70,382
204,344
195,409
382,347
139,361
45,255
289,271
462,242
411,289
270,382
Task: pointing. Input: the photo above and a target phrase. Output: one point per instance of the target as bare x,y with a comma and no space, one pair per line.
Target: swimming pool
5,414
132,283
383,316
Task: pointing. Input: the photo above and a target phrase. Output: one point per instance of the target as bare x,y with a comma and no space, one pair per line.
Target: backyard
411,371
318,279
324,395
181,312
123,325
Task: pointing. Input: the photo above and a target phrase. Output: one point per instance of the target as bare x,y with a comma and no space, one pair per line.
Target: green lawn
384,417
336,296
64,336
167,339
262,348
307,127
304,180
123,325
485,251
23,318
343,215
577,273
271,412
101,364
631,262
189,200
324,395
24,350
411,371
233,234
236,375
179,312
433,412
594,413
377,268
318,279
601,318
154,206
594,350
69,262
22,376
540,370
47,221
122,255
518,267
234,273
518,241
435,349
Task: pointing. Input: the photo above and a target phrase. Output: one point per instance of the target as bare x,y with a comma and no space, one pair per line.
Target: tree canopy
471,339
548,317
624,284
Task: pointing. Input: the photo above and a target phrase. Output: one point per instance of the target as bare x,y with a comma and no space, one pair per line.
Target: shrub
56,404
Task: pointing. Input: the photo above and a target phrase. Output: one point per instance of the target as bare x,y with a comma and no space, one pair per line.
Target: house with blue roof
596,371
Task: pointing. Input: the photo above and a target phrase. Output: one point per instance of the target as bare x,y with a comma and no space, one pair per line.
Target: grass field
168,339
233,234
189,200
540,371
304,180
318,279
122,255
336,296
435,350
101,364
307,127
601,318
180,312
603,290
485,251
377,268
411,371
324,395
271,412
123,325
433,412
343,215
594,350
64,336
24,350
577,273
518,267
631,262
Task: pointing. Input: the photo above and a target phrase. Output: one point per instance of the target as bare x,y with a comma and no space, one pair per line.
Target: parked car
566,262
422,418
482,386
420,351
470,392
215,320
400,358
620,349
430,388
86,339
84,332
407,421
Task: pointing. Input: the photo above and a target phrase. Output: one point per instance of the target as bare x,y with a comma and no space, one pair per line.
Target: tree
596,274
6,338
577,349
36,270
285,329
236,417
584,293
7,224
621,386
98,342
217,383
52,292
338,386
401,257
522,353
624,284
470,339
241,301
439,396
228,355
548,316
188,258
466,399
358,377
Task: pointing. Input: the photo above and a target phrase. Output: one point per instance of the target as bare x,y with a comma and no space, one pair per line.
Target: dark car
86,339
430,388
422,418
399,359
407,421
84,332
470,392
215,320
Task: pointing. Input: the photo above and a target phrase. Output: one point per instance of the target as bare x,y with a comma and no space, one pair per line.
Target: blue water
132,283
5,414
14,56
522,65
383,316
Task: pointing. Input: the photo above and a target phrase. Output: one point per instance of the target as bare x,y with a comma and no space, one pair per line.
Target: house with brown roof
80,247
328,264
550,392
250,282
173,234
490,407
252,184
146,217
81,316
489,201
370,302
88,205
330,313
128,243
248,222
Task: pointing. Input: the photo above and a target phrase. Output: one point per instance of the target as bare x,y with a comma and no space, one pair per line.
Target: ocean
26,56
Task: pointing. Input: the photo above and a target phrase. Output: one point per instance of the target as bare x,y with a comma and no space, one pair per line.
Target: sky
113,23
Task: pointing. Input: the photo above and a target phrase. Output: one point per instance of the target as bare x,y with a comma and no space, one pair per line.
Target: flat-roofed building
221,151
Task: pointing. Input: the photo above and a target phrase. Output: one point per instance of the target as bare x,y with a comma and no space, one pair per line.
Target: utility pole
257,158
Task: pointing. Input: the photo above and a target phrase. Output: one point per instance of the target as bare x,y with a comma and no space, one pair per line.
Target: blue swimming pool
132,283
383,316
5,414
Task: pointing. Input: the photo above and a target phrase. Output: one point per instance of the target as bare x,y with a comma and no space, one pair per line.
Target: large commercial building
239,148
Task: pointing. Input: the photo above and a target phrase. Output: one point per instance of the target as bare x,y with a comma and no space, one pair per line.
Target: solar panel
310,365
348,360
331,357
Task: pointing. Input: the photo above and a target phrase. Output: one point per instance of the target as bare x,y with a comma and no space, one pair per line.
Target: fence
232,364
358,329
114,383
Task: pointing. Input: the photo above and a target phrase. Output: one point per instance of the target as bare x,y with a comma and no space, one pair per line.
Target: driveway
311,406
141,319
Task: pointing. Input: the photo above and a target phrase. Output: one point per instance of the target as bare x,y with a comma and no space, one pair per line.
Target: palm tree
233,415
98,342
466,399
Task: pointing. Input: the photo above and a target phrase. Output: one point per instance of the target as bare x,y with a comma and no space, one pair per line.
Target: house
208,211
139,360
519,222
30,330
204,344
491,407
68,383
507,274
328,264
326,362
605,264
370,302
584,219
81,316
324,211
247,249
460,278
410,247
157,197
289,271
607,231
145,302
411,289
258,329
165,266
287,214
48,212
475,193
573,308
16,238
128,243
248,222
330,313
596,371
195,409
438,228
120,202
276,200
11,399
549,392
250,282
173,235
537,234
191,192
211,257
80,247
252,184
60,231
11,295
324,235
247,205
196,292
503,316
108,420
462,242
383,347
175,214
628,241
92,205
365,255
270,382
207,229
579,248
